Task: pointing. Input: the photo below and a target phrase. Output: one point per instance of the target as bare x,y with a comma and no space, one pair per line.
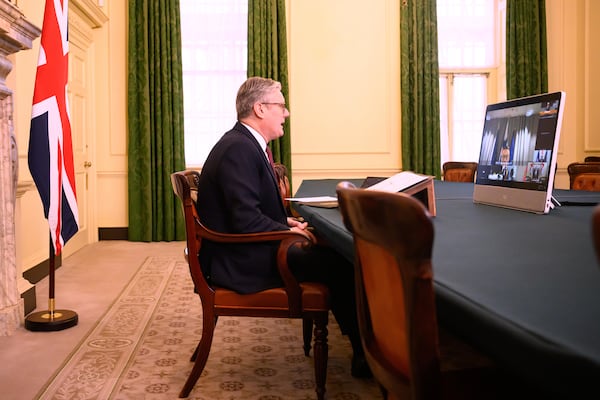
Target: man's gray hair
255,89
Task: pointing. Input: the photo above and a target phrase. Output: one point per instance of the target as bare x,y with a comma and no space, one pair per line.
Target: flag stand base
46,321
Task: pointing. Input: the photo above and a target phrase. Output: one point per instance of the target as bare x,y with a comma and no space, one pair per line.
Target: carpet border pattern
102,355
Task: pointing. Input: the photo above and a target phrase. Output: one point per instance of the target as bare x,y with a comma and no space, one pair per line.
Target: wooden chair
306,300
393,239
458,171
584,176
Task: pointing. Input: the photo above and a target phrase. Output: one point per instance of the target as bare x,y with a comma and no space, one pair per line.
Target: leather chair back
587,181
584,176
458,171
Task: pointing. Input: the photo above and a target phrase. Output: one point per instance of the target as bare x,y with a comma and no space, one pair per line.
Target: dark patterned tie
270,155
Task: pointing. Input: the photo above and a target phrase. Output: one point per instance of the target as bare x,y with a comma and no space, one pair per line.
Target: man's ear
258,110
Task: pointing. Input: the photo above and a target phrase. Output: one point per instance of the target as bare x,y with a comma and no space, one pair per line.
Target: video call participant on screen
238,193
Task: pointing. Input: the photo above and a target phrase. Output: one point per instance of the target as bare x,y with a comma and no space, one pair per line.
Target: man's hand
294,223
301,227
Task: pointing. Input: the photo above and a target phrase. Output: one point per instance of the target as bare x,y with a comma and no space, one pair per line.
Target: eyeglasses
281,105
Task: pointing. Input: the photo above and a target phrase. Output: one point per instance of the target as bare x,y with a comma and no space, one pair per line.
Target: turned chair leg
307,325
320,355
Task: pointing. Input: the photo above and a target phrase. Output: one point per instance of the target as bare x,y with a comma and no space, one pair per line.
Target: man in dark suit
239,193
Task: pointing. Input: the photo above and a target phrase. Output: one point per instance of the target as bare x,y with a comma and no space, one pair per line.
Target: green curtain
419,80
526,53
267,57
155,120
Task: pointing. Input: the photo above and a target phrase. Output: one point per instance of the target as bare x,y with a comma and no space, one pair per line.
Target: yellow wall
344,61
112,135
344,98
572,57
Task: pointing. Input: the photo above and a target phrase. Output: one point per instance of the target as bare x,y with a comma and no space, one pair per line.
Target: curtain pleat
419,71
267,57
155,120
526,48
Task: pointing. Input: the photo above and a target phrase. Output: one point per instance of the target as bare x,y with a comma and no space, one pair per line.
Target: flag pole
50,154
52,319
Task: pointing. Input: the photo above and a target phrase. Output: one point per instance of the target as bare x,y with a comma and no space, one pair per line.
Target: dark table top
523,287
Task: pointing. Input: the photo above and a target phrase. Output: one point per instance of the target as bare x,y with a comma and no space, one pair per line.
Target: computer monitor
519,149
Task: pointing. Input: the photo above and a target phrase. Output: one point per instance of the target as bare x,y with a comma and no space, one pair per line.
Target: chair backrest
587,181
458,171
185,184
284,185
592,159
576,169
393,239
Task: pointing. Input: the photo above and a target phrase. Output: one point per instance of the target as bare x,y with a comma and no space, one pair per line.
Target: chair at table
393,238
458,171
584,176
307,300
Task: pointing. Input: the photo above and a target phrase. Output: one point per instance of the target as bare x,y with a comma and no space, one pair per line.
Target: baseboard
113,233
34,275
29,300
37,273
40,271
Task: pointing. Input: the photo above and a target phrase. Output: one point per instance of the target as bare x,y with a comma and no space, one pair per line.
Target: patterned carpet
141,349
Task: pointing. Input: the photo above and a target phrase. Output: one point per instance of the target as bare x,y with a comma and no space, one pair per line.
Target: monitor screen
519,149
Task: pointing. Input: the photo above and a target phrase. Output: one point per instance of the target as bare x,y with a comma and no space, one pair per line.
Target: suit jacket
238,193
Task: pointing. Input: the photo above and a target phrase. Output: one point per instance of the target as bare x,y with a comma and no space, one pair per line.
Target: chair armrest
287,239
270,236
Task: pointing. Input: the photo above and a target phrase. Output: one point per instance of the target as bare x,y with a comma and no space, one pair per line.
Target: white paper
398,182
317,199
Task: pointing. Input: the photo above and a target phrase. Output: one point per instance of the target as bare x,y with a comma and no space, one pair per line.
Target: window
214,58
469,39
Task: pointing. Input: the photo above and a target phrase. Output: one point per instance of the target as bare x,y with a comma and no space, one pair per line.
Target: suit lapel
244,131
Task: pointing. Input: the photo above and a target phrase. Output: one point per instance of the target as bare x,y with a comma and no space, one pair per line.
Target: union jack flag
50,155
